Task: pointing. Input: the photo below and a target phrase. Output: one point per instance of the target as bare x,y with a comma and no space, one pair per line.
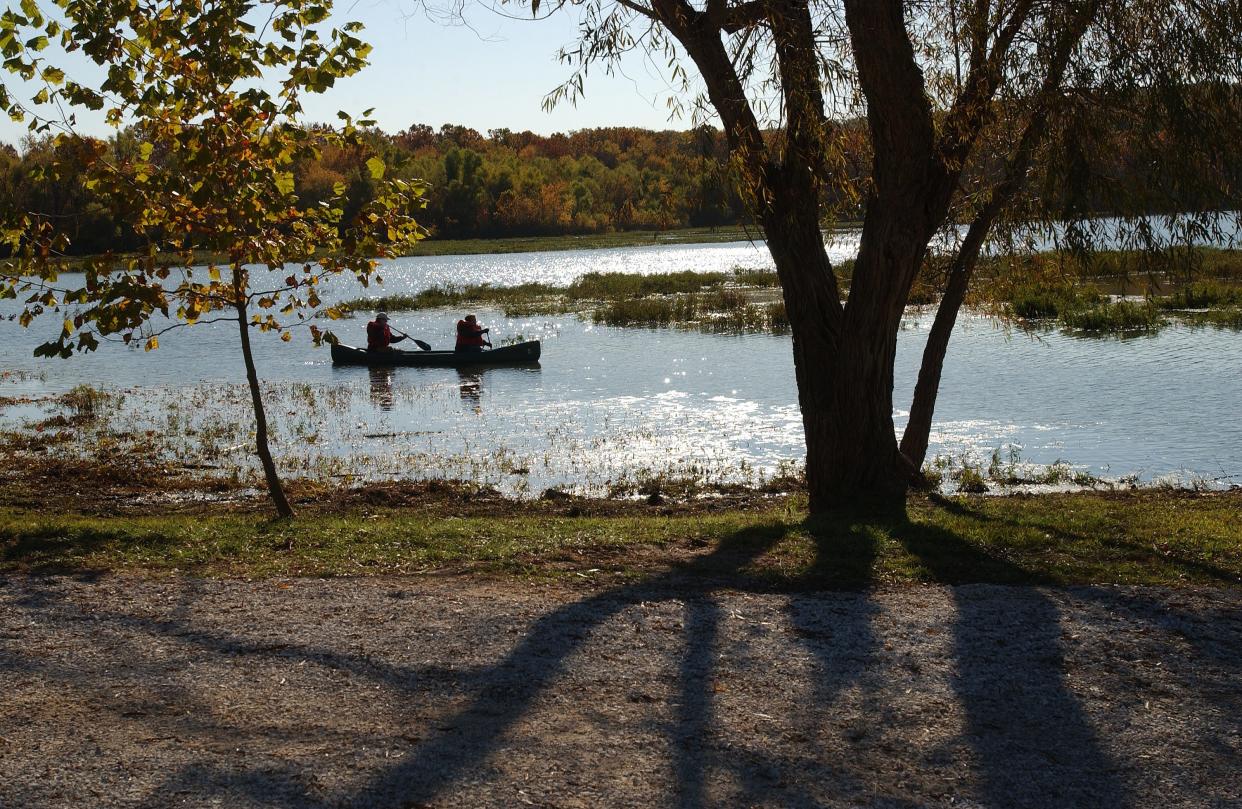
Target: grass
1047,287
1119,317
1038,289
726,310
1202,295
618,285
85,401
443,297
1148,537
1031,301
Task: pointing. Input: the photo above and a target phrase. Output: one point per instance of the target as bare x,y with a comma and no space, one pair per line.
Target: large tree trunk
843,365
274,487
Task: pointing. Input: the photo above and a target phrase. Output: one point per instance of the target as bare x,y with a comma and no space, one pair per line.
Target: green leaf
376,167
284,182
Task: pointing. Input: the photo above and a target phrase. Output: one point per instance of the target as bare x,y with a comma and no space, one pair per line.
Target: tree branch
966,117
638,8
701,39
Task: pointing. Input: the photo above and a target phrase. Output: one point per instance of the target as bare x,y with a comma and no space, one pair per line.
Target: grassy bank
1149,537
1115,292
590,241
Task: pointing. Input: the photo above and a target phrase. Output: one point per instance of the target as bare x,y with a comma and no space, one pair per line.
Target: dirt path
134,692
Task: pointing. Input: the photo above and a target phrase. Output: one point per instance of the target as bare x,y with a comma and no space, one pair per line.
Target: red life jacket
469,334
379,336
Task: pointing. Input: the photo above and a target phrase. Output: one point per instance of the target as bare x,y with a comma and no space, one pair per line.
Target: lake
610,407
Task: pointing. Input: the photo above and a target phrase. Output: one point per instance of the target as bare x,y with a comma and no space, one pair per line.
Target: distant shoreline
535,244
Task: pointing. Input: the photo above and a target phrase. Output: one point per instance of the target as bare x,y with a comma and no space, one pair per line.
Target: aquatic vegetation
1007,472
724,310
1203,294
85,401
443,297
612,286
1031,302
757,278
1119,316
1230,318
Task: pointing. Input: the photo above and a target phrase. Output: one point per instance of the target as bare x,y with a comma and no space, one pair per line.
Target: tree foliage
206,163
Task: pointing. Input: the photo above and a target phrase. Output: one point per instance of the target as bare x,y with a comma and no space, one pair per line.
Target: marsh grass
86,401
1032,301
1229,318
721,310
612,286
1202,295
1118,317
1005,473
1032,288
713,301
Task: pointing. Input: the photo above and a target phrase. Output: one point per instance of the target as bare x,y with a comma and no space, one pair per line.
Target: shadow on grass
62,549
1147,556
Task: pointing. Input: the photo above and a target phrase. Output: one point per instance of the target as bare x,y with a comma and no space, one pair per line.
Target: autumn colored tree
210,170
964,101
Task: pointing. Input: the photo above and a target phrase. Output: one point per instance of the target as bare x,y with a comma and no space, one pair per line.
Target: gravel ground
136,692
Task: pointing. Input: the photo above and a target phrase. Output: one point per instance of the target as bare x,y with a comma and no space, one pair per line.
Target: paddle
417,342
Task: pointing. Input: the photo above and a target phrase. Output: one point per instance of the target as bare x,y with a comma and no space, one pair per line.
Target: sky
491,73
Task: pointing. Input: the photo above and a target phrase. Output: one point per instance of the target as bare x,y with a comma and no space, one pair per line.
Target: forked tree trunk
843,361
274,487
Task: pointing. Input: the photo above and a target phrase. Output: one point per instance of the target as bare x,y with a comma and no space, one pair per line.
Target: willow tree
205,164
962,100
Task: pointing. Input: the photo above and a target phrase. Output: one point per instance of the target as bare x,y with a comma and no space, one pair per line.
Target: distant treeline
500,184
506,183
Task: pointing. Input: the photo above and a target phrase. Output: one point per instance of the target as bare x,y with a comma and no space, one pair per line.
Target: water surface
612,404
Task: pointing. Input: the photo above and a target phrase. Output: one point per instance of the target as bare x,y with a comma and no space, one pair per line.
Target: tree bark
274,487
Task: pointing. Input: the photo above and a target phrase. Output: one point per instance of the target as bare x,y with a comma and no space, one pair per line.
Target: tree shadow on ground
1029,737
502,693
1029,733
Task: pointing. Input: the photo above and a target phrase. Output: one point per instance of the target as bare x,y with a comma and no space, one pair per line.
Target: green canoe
516,354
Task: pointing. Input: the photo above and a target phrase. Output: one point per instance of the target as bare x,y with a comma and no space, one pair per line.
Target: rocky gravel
127,691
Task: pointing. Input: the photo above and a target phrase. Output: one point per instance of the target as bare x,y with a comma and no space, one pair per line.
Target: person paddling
470,335
379,336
